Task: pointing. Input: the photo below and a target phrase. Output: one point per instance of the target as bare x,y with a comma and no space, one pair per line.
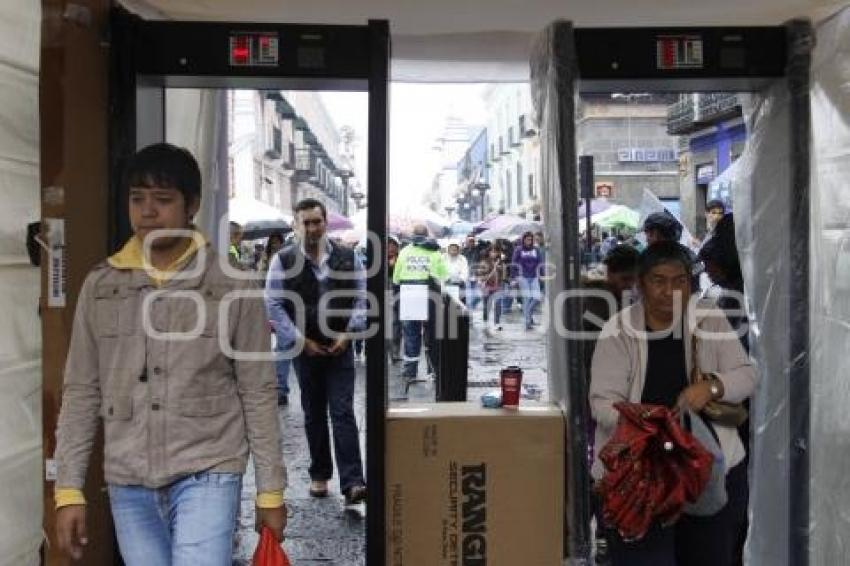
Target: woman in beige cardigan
644,356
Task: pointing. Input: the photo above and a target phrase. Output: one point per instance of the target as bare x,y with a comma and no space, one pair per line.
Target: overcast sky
417,115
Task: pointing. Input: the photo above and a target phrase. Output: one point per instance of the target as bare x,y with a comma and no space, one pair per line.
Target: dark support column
554,71
800,43
376,364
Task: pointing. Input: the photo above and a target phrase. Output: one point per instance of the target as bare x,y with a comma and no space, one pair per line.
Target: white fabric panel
20,334
451,16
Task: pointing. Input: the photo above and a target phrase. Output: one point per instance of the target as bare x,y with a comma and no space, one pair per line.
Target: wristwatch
714,388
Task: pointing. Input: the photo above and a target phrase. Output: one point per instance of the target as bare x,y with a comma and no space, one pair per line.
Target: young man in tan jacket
155,352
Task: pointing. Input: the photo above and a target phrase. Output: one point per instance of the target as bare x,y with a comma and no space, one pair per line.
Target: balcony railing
699,111
525,127
305,164
494,155
275,146
718,106
681,117
289,156
513,138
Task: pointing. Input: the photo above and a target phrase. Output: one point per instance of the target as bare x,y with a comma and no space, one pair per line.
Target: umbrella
403,220
498,222
337,222
617,215
255,229
596,206
509,228
461,228
653,467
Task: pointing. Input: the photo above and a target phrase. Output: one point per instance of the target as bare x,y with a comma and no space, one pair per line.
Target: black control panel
252,50
752,55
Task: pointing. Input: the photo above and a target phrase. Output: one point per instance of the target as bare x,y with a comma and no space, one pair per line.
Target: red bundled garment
654,467
269,552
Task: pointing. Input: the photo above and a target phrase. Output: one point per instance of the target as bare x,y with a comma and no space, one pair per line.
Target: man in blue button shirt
321,286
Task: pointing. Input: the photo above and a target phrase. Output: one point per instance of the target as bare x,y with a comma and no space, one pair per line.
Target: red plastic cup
511,378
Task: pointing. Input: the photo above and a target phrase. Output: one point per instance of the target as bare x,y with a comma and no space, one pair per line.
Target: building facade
513,152
473,180
712,135
627,136
285,147
450,147
625,133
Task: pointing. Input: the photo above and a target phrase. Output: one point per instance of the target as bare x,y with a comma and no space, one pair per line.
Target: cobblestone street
324,531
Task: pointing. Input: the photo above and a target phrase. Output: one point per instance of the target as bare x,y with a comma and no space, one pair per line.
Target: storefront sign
604,190
646,154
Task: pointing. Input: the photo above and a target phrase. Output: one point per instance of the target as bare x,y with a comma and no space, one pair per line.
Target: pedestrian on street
526,263
644,355
392,257
234,251
310,270
472,252
492,273
417,264
282,361
180,416
457,269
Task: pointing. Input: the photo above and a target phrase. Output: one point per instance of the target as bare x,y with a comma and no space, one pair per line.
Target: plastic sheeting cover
761,198
830,293
20,334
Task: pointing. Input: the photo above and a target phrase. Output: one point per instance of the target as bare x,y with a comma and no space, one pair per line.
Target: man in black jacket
330,282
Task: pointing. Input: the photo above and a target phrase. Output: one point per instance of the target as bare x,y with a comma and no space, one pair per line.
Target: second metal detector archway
570,61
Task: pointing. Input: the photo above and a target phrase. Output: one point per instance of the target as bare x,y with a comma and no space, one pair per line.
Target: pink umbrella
337,221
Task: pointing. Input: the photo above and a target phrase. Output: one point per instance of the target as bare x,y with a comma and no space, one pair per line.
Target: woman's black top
666,370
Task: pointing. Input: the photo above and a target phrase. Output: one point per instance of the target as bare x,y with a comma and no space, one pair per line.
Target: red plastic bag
269,552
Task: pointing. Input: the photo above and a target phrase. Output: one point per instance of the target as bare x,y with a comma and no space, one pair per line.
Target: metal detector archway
147,57
569,61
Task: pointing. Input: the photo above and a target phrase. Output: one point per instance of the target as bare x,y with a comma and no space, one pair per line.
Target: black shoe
282,400
355,494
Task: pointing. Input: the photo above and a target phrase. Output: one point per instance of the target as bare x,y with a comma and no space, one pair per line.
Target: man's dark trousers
327,383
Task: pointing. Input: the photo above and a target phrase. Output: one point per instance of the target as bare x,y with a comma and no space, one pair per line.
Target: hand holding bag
269,552
720,412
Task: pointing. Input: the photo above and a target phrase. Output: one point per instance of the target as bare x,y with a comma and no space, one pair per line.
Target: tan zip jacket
171,406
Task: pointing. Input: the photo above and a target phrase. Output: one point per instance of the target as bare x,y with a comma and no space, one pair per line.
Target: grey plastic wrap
762,191
553,75
830,293
197,120
771,196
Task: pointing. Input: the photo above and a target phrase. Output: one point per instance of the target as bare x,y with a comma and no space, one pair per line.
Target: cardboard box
468,486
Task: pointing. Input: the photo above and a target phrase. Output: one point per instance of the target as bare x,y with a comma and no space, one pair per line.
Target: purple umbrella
337,221
596,206
499,223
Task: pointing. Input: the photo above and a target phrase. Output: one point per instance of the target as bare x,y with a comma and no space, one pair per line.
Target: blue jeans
282,368
472,294
188,523
412,332
529,288
327,385
493,299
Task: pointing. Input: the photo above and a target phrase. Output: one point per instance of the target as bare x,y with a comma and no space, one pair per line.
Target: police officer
416,264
